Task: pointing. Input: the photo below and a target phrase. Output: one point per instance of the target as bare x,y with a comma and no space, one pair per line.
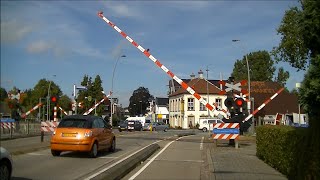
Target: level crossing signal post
237,107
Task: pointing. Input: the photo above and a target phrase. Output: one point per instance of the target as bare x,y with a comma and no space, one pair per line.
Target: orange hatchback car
83,133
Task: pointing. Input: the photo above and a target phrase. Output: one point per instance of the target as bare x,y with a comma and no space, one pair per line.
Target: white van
206,124
143,120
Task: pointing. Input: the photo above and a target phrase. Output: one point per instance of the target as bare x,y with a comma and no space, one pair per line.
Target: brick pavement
242,163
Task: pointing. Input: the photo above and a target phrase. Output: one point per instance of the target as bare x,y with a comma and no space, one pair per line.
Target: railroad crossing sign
233,86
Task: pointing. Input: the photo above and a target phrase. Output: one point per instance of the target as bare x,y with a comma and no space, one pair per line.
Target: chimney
200,74
192,76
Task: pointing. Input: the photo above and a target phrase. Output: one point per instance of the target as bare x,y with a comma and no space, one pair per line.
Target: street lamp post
140,107
48,101
248,70
111,102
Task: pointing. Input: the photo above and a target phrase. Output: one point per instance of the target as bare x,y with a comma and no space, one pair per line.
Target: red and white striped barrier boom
63,110
263,105
226,126
31,110
47,126
96,105
164,68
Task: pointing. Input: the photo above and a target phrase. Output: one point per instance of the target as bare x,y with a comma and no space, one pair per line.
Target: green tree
300,44
139,101
261,67
3,94
282,76
40,93
94,90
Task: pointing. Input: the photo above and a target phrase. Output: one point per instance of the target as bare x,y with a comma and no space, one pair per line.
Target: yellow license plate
68,135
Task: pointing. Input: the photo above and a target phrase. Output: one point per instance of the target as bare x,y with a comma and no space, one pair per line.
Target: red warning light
54,99
239,102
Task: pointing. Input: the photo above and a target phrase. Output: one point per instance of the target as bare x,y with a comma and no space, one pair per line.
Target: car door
108,133
97,131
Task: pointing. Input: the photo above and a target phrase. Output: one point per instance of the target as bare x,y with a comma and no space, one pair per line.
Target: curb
185,134
122,169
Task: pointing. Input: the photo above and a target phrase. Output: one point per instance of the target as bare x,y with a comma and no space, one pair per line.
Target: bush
280,147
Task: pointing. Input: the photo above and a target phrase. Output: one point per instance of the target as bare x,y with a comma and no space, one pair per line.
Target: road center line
201,144
105,169
151,160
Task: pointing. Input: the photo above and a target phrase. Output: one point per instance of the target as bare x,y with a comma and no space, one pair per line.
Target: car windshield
75,123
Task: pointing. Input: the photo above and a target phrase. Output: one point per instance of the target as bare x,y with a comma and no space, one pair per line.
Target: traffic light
240,105
228,102
54,99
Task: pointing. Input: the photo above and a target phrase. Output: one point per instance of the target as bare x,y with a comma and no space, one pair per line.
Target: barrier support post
236,144
216,143
42,134
28,127
11,129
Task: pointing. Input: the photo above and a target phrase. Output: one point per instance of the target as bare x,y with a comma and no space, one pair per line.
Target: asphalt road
41,164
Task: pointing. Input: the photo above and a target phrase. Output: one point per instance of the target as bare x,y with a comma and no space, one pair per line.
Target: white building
185,110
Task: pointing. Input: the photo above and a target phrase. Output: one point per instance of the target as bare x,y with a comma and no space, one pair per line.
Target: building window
202,106
219,103
178,105
190,104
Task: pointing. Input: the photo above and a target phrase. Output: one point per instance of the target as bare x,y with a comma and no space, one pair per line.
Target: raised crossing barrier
227,131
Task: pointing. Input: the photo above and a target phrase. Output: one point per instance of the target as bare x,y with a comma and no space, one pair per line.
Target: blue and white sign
226,131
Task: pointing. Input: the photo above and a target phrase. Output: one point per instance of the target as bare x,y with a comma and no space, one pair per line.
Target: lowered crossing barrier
227,131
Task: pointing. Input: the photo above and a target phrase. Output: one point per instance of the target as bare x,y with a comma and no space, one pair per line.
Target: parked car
123,126
134,125
130,125
157,126
5,164
206,124
83,133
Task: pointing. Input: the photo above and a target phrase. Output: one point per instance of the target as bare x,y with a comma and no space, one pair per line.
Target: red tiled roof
200,86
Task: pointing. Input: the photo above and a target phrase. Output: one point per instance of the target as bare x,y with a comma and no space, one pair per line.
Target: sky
63,41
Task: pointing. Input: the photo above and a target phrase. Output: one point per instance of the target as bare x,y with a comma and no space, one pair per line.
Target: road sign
233,86
226,131
89,98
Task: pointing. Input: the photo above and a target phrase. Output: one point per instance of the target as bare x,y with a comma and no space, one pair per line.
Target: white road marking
107,157
151,160
35,154
105,169
201,144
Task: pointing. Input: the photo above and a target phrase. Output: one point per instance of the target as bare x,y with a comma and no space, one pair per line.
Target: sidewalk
25,143
242,163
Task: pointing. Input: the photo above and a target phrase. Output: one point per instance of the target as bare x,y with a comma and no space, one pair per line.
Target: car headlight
88,133
54,133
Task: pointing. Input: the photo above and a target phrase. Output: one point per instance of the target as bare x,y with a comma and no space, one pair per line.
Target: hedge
286,149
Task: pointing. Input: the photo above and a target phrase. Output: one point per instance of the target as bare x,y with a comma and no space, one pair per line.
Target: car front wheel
55,153
94,150
204,129
113,146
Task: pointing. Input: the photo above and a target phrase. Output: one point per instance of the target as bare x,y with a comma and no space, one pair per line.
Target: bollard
237,144
28,126
151,128
42,134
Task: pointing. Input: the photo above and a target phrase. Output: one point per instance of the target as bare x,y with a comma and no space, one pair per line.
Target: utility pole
208,89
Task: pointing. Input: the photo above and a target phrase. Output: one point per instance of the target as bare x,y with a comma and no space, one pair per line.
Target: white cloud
39,47
123,10
14,31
